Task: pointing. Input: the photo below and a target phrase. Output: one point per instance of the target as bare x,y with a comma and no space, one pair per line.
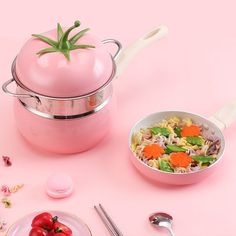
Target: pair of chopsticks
108,222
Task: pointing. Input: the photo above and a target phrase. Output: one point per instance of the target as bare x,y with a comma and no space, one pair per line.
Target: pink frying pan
213,126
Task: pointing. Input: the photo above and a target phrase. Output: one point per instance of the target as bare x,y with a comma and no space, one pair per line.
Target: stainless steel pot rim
35,94
64,117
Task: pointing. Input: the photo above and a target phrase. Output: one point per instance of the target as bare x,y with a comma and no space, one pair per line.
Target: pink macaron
59,185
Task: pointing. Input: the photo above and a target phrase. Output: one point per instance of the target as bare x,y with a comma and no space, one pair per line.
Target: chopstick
108,222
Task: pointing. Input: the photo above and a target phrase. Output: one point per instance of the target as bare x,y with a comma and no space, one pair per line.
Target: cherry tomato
37,231
59,234
61,228
51,233
43,220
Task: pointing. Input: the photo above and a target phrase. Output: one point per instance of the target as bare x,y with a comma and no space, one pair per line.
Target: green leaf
163,131
203,159
173,148
47,50
194,140
167,151
59,32
66,53
63,43
77,36
178,131
165,166
46,40
74,47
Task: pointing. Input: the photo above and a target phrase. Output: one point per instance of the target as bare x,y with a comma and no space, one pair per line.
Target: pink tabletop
193,69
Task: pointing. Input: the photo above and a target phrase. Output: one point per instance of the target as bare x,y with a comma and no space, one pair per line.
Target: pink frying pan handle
225,116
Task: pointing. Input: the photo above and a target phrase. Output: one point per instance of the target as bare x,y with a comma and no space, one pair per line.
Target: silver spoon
161,219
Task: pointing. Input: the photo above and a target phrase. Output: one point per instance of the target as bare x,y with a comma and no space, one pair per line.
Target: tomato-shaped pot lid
59,65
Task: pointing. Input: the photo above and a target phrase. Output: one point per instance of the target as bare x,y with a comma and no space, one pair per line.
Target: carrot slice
180,159
192,130
153,151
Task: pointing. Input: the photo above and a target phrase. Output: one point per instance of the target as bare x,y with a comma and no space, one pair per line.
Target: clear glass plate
22,227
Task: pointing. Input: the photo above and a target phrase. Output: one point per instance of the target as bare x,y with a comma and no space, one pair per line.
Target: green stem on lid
59,32
77,36
63,43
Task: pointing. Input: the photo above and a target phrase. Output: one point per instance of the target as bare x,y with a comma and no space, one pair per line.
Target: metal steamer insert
64,107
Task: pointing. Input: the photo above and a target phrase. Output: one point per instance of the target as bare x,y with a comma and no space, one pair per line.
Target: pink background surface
193,69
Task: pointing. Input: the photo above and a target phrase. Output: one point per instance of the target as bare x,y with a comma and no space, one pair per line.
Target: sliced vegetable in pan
180,159
174,148
153,151
178,131
195,140
203,159
165,166
192,130
163,131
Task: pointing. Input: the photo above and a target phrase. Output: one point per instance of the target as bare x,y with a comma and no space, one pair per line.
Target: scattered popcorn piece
15,188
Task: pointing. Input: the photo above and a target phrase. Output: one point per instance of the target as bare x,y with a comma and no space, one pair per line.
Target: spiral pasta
175,145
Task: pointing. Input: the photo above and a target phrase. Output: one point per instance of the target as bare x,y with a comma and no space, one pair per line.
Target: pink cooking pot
64,101
213,126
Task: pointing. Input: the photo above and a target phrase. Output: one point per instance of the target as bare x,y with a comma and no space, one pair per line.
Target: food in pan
176,145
